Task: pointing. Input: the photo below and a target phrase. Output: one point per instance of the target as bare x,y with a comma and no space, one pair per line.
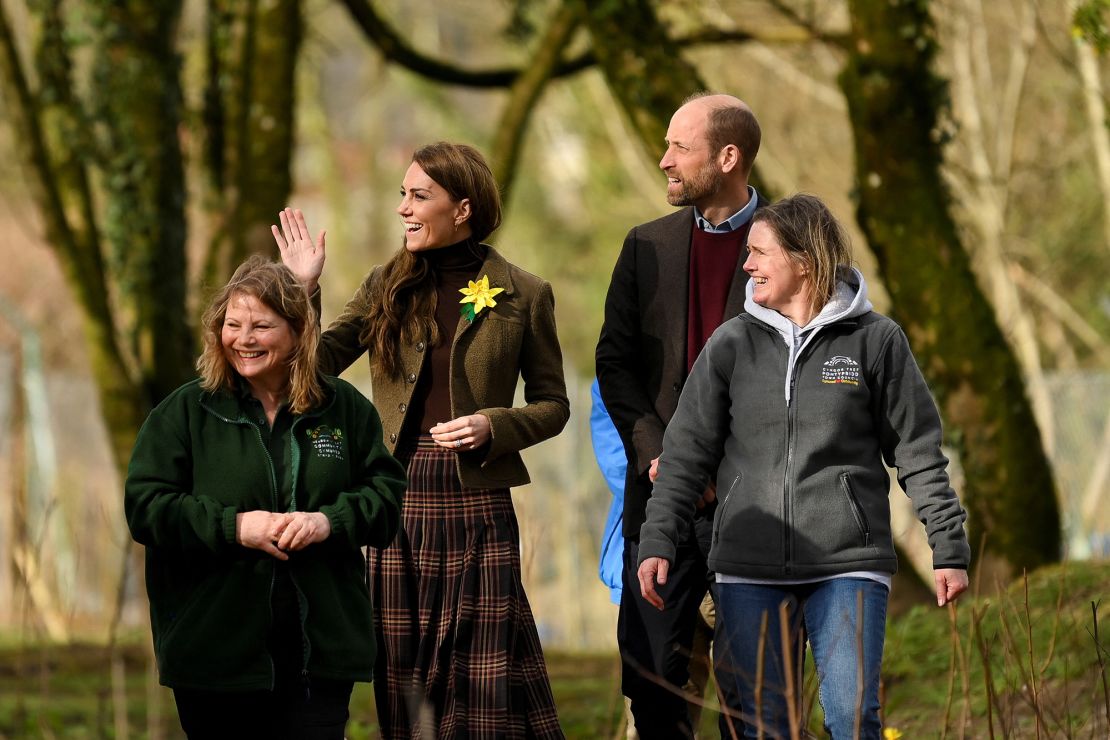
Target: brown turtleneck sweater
452,267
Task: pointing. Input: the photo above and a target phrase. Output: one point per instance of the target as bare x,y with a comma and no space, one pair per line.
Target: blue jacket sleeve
609,453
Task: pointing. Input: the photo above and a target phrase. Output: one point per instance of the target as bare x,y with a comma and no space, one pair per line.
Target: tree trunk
894,101
525,94
137,90
57,183
249,122
643,67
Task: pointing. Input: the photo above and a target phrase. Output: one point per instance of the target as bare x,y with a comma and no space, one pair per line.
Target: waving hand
299,252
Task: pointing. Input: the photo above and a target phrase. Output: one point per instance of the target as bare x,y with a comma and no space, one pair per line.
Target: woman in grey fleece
791,409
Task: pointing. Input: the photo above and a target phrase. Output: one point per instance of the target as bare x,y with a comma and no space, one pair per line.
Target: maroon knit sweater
714,259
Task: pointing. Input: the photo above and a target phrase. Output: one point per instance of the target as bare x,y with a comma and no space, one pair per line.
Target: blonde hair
275,286
812,238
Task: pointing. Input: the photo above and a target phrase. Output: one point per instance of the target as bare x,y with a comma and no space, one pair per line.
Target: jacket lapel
497,268
672,245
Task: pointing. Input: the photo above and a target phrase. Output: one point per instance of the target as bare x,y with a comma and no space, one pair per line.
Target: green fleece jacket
197,462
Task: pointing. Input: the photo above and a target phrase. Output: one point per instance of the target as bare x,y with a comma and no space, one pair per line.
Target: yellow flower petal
480,294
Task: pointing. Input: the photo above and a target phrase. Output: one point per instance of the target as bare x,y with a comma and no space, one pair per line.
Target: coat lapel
672,246
497,268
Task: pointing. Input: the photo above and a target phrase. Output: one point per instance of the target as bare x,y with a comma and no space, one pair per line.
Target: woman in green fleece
254,488
792,408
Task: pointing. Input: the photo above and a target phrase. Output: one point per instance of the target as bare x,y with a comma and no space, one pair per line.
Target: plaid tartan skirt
458,651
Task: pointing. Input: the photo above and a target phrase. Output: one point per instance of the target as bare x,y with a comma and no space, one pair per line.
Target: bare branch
987,206
526,91
397,50
1055,304
67,140
1095,105
23,114
812,29
249,111
80,258
804,82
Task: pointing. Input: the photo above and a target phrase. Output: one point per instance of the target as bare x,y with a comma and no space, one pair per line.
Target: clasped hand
279,534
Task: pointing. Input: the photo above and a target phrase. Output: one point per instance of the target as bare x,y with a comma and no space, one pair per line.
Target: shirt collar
733,222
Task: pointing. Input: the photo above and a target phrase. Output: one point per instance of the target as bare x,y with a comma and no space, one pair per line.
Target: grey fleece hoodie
794,425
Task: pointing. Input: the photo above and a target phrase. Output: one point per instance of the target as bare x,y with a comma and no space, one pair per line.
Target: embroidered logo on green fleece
327,442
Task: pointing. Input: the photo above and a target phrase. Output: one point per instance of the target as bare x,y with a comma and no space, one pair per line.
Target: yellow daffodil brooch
476,296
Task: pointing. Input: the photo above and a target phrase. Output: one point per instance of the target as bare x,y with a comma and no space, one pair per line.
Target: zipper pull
307,685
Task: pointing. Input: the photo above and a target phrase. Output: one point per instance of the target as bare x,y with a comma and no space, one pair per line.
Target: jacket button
393,438
677,387
411,378
419,346
403,407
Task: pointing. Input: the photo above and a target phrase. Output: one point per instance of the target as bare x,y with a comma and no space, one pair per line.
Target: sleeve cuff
228,522
335,520
654,548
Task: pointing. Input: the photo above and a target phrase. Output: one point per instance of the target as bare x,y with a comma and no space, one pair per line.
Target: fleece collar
225,402
849,301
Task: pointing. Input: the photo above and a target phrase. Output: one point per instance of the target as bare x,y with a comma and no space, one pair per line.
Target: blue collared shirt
733,222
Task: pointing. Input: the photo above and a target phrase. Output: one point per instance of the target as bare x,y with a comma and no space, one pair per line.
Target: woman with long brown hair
450,327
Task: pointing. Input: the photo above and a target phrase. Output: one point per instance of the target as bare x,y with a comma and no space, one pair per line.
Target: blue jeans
844,620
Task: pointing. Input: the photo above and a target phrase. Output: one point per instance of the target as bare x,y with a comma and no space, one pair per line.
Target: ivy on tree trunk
136,90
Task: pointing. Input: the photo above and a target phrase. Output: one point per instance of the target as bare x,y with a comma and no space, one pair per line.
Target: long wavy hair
404,304
275,287
812,238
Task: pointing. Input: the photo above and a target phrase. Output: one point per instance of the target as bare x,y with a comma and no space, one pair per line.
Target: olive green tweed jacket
515,339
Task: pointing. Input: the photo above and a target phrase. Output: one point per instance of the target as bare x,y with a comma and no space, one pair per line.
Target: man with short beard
676,280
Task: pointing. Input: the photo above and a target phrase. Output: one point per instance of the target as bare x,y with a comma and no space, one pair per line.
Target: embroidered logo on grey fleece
840,369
